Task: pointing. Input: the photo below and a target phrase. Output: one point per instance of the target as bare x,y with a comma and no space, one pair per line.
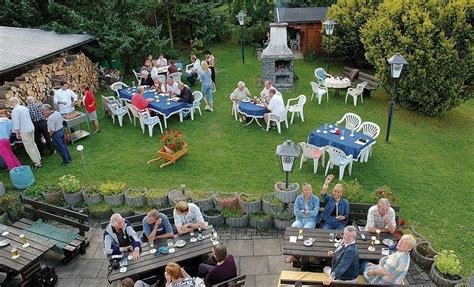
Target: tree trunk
170,29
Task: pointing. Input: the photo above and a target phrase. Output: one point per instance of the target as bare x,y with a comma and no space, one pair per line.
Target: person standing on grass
5,149
211,61
207,86
65,98
41,127
91,107
25,130
56,131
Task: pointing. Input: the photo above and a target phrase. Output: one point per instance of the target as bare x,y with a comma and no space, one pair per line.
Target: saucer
171,250
193,239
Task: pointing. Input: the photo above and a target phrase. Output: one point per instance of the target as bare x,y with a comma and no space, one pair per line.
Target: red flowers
174,140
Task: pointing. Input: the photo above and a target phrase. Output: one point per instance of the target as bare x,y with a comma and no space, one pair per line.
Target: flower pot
281,224
286,195
92,198
174,196
159,202
214,220
291,206
252,207
270,208
137,201
260,223
205,204
237,222
218,201
422,260
52,197
114,200
73,198
441,281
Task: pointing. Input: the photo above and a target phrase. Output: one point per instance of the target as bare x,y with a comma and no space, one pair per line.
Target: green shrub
232,212
250,197
448,263
69,183
112,188
212,212
270,198
136,192
91,190
353,191
100,210
435,37
35,191
201,194
284,214
155,193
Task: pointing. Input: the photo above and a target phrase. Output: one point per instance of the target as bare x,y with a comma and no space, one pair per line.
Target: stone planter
52,197
282,224
422,260
159,202
214,220
291,206
114,200
4,218
260,223
237,222
205,204
270,208
73,198
218,201
135,201
92,199
289,195
252,207
441,281
174,196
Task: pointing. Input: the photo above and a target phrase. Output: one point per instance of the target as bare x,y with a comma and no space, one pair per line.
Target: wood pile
76,69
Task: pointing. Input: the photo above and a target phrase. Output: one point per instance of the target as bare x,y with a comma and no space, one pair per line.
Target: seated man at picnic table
139,101
185,96
172,87
192,74
392,268
156,225
266,91
275,106
381,217
336,211
345,259
120,237
187,217
223,270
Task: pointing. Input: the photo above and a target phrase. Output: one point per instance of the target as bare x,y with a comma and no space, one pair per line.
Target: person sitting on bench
381,217
224,270
345,259
336,211
120,237
156,225
187,217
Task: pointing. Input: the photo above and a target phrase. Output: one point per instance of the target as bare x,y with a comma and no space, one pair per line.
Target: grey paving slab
266,247
240,247
266,280
94,282
250,281
253,265
276,264
62,282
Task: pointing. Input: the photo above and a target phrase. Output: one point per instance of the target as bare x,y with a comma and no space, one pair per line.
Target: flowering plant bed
173,140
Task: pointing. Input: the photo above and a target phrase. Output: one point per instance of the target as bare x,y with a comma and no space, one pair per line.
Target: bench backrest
372,81
58,214
301,278
234,282
358,211
136,220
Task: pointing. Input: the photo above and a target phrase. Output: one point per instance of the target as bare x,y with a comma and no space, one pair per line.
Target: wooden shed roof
301,15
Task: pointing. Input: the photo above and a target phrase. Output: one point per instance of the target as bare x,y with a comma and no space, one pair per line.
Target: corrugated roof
22,46
301,15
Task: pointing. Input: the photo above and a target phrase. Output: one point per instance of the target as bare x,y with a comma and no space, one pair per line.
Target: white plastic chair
354,93
105,103
297,108
148,120
373,130
312,152
162,78
119,112
135,114
138,76
319,90
321,75
353,121
197,95
176,77
117,86
235,107
282,117
339,158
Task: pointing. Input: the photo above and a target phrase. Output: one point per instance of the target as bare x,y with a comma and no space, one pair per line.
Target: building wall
311,37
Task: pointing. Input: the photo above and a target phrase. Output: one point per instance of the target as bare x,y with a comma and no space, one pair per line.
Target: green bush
69,183
353,191
284,214
135,192
435,37
35,191
448,263
250,197
112,188
155,193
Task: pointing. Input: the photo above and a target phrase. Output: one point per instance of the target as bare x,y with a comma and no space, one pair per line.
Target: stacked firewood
75,69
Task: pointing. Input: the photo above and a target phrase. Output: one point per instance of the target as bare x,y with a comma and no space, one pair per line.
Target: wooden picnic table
322,244
28,262
150,262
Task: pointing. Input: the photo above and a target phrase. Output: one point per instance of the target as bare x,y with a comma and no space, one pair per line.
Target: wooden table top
28,255
149,262
322,244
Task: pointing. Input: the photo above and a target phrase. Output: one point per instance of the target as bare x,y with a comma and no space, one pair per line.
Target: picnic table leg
258,123
304,263
164,120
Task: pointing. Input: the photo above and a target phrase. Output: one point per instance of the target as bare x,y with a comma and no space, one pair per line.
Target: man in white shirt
162,62
192,74
172,87
266,90
64,98
25,130
187,217
276,105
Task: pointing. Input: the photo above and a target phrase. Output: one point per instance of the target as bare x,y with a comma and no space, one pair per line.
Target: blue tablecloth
253,110
348,145
160,106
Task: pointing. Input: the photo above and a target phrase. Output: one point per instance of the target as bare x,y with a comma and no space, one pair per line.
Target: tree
435,37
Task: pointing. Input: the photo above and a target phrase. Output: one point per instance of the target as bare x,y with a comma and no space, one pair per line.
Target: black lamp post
329,29
287,152
241,18
396,65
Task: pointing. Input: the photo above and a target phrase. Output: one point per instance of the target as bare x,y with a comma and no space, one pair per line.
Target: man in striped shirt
381,217
392,268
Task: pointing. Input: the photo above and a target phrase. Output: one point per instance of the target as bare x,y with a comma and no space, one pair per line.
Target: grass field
429,162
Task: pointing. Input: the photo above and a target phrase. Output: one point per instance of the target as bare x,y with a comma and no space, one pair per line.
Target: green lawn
428,163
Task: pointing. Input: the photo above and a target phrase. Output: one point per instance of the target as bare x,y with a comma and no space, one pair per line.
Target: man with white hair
381,217
119,237
146,79
265,93
172,87
276,105
41,126
345,259
24,129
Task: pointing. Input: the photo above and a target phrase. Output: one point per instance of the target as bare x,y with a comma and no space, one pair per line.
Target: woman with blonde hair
207,86
336,212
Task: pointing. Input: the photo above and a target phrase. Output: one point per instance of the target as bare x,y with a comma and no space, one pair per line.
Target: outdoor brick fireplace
277,58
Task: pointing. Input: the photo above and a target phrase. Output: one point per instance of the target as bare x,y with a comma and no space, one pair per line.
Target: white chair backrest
320,74
118,85
301,101
138,76
314,86
162,78
371,129
336,155
360,87
114,108
311,151
353,121
197,95
283,115
176,77
133,109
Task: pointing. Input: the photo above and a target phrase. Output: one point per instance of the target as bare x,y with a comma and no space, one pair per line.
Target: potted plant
233,214
176,195
53,195
271,204
424,254
260,220
203,199
213,217
91,195
289,194
100,210
124,210
283,218
157,198
71,188
222,198
11,207
174,146
80,207
446,270
113,192
135,197
252,203
33,192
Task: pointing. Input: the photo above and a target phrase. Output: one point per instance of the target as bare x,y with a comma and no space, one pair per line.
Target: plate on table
4,242
388,242
245,101
180,243
308,242
193,239
332,131
175,99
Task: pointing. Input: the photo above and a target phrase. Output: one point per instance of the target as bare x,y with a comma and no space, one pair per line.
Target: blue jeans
333,223
304,223
192,78
58,141
207,92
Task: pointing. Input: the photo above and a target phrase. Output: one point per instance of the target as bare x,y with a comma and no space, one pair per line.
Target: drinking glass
191,232
214,235
24,240
152,247
325,126
170,242
15,253
300,234
377,240
331,237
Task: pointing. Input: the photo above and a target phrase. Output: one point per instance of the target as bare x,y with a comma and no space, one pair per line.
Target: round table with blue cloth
253,111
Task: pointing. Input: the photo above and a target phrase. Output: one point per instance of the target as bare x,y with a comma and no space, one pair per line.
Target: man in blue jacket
120,237
345,259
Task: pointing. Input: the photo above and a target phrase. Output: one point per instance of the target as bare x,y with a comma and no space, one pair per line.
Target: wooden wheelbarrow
170,158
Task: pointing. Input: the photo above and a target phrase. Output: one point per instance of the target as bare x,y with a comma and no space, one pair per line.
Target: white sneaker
211,109
207,108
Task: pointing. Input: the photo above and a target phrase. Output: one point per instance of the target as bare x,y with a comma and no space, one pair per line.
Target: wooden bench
234,282
372,81
136,220
358,211
61,215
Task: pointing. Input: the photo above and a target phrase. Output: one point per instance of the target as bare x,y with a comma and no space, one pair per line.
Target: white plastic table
337,83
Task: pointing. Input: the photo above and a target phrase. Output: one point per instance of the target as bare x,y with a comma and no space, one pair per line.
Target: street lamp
329,29
80,150
396,65
287,153
241,18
